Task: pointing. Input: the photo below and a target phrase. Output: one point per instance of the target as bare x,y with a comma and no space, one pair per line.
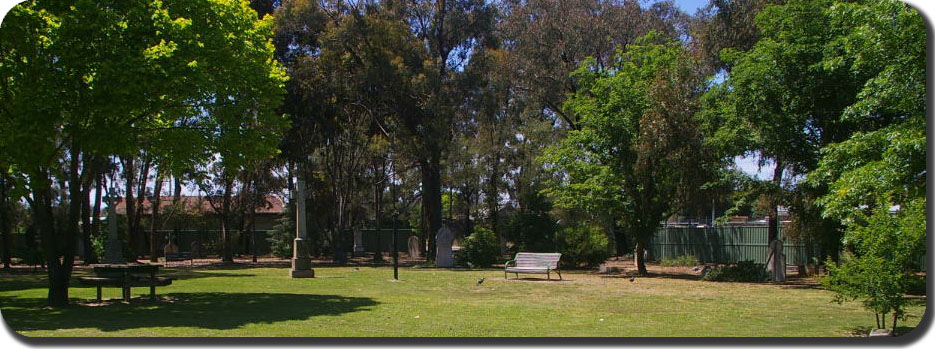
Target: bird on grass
632,278
481,280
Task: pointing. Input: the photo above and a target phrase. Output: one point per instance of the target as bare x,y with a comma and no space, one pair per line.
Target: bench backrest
537,260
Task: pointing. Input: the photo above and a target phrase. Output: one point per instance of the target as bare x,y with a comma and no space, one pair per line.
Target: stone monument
113,249
443,241
301,263
358,243
775,261
170,248
415,247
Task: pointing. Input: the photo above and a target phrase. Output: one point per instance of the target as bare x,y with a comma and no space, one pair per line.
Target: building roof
202,205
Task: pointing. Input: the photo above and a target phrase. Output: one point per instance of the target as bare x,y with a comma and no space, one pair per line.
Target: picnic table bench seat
125,277
533,263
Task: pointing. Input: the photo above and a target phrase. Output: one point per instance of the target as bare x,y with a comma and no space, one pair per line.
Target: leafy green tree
638,146
877,177
96,79
725,24
546,40
783,100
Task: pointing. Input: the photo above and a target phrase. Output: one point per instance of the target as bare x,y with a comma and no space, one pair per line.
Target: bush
583,245
280,238
532,232
680,261
480,249
745,271
915,285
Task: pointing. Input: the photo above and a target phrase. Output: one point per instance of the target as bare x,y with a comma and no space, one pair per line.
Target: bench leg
548,275
559,275
504,274
126,294
99,298
152,293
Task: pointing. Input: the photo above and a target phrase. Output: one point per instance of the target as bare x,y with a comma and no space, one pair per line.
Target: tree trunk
58,244
227,253
143,181
895,319
639,257
377,209
129,172
620,239
776,266
5,222
493,204
431,201
155,224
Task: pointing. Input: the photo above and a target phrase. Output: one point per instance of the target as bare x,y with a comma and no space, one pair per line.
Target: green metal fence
369,237
726,244
209,241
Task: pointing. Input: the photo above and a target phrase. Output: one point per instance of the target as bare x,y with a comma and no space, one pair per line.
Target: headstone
358,243
195,249
170,248
415,247
606,269
444,258
881,332
775,263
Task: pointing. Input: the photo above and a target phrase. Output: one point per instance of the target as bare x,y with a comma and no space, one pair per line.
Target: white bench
533,263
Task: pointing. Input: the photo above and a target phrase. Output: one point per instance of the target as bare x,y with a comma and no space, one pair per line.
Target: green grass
343,301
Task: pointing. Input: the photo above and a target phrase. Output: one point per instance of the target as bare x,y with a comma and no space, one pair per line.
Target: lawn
365,301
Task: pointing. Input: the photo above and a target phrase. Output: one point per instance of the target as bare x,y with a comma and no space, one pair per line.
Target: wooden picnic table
126,276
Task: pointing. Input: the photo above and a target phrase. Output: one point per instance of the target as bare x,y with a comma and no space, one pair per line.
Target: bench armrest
507,263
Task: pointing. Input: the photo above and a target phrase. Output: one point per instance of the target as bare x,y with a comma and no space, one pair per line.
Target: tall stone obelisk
113,251
301,263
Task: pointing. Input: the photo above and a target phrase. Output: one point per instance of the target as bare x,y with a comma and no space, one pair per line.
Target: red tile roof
201,204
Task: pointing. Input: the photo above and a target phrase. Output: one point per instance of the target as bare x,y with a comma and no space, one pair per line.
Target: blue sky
689,6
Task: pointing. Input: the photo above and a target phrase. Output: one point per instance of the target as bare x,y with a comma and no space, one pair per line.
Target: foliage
92,80
551,39
533,232
480,249
281,237
680,261
583,245
877,177
822,72
886,247
725,24
638,150
743,271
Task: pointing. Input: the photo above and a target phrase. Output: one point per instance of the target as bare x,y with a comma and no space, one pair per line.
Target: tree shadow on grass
216,311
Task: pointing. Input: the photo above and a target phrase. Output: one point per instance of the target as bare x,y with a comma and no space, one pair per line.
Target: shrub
480,249
680,261
745,271
532,232
280,238
583,245
915,285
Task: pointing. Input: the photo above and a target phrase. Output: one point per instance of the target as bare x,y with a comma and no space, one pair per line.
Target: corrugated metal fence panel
729,244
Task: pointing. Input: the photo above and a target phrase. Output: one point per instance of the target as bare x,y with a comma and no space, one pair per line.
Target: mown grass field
364,301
